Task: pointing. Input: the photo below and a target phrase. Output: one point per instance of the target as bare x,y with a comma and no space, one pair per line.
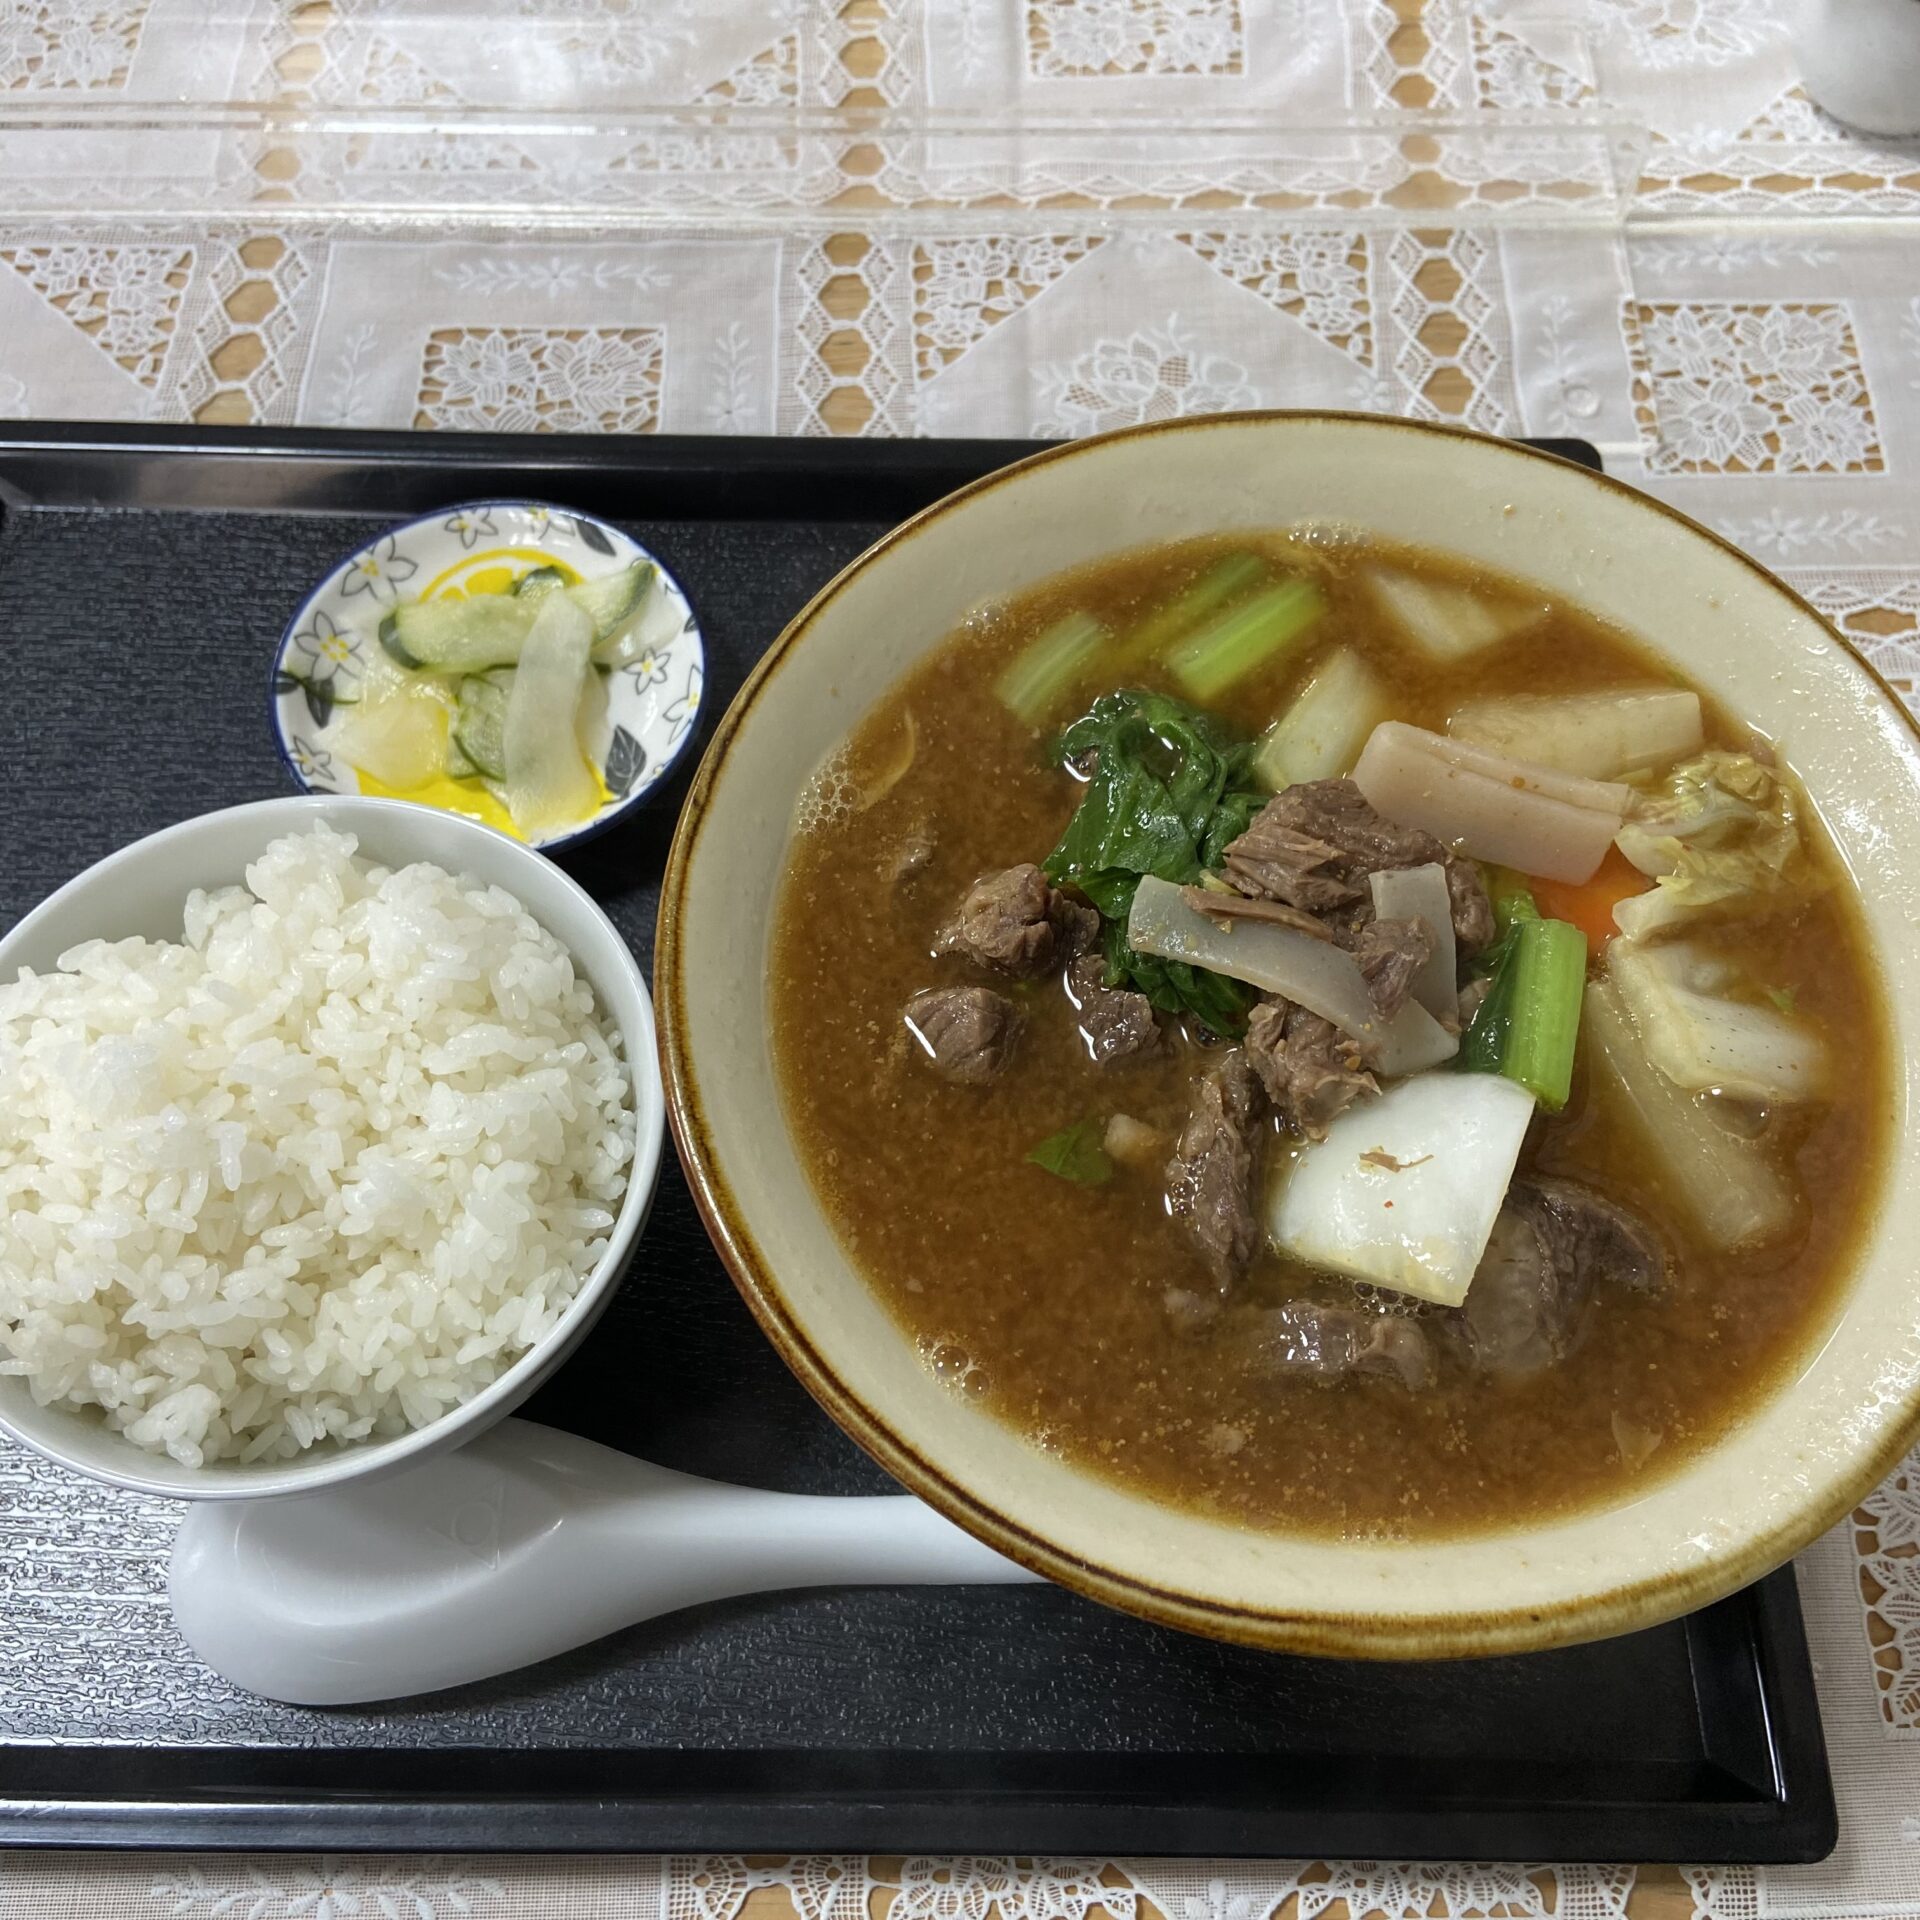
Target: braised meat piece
1391,954
1552,1244
1210,1177
1312,1071
1016,924
1313,845
1591,1234
1331,1343
1274,861
1339,815
1472,910
1523,1310
966,1033
1116,1023
1243,906
910,857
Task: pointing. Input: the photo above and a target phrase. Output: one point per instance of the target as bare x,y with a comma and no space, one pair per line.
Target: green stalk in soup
1330,1038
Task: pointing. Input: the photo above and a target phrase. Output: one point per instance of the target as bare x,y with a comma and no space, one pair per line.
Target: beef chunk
1274,861
1523,1310
1472,910
1391,954
1330,1343
1591,1234
1346,924
966,1033
1310,1069
1241,906
1210,1177
1552,1244
910,856
1016,924
1116,1023
1339,815
1314,844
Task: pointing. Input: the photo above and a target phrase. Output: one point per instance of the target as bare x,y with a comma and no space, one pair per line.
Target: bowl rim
313,1471
1321,1632
607,817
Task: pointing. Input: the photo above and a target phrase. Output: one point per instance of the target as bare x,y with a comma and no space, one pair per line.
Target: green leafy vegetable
1221,583
1170,787
1245,637
1783,998
1075,1153
1527,1025
1220,1004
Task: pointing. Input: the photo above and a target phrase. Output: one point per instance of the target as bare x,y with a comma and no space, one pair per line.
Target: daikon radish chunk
1598,735
1411,1042
1404,1190
1311,973
1447,622
1320,735
1534,819
1314,974
1420,893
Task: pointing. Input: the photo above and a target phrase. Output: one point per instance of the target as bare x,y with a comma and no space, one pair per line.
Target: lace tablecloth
1620,219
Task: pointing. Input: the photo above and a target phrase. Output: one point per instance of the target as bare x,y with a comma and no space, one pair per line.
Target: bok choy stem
1511,897
1528,1024
1037,679
1244,637
1222,582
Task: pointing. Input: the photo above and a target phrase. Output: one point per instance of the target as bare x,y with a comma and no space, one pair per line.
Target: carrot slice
1589,904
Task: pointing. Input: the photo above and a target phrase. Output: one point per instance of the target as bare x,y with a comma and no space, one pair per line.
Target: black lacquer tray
144,577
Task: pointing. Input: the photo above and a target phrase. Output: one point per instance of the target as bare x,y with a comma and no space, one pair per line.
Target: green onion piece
1225,580
1512,898
1046,669
1528,1023
1075,1153
1245,637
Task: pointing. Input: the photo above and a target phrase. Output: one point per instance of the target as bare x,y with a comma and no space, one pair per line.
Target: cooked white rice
323,1170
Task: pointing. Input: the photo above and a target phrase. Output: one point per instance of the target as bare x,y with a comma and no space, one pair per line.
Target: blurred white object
521,1545
1860,60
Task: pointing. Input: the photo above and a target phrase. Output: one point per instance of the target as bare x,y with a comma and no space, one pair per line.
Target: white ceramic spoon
523,1543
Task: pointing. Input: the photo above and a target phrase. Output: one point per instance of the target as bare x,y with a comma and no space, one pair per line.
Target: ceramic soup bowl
1799,1462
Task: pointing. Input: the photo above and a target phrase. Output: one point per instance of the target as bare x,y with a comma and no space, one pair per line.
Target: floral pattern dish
652,708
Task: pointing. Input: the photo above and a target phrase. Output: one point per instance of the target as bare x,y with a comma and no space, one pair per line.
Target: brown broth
1043,1298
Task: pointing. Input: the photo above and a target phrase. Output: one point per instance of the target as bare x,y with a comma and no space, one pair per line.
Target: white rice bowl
321,1171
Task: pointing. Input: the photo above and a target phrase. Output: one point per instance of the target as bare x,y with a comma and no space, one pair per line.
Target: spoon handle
522,1544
